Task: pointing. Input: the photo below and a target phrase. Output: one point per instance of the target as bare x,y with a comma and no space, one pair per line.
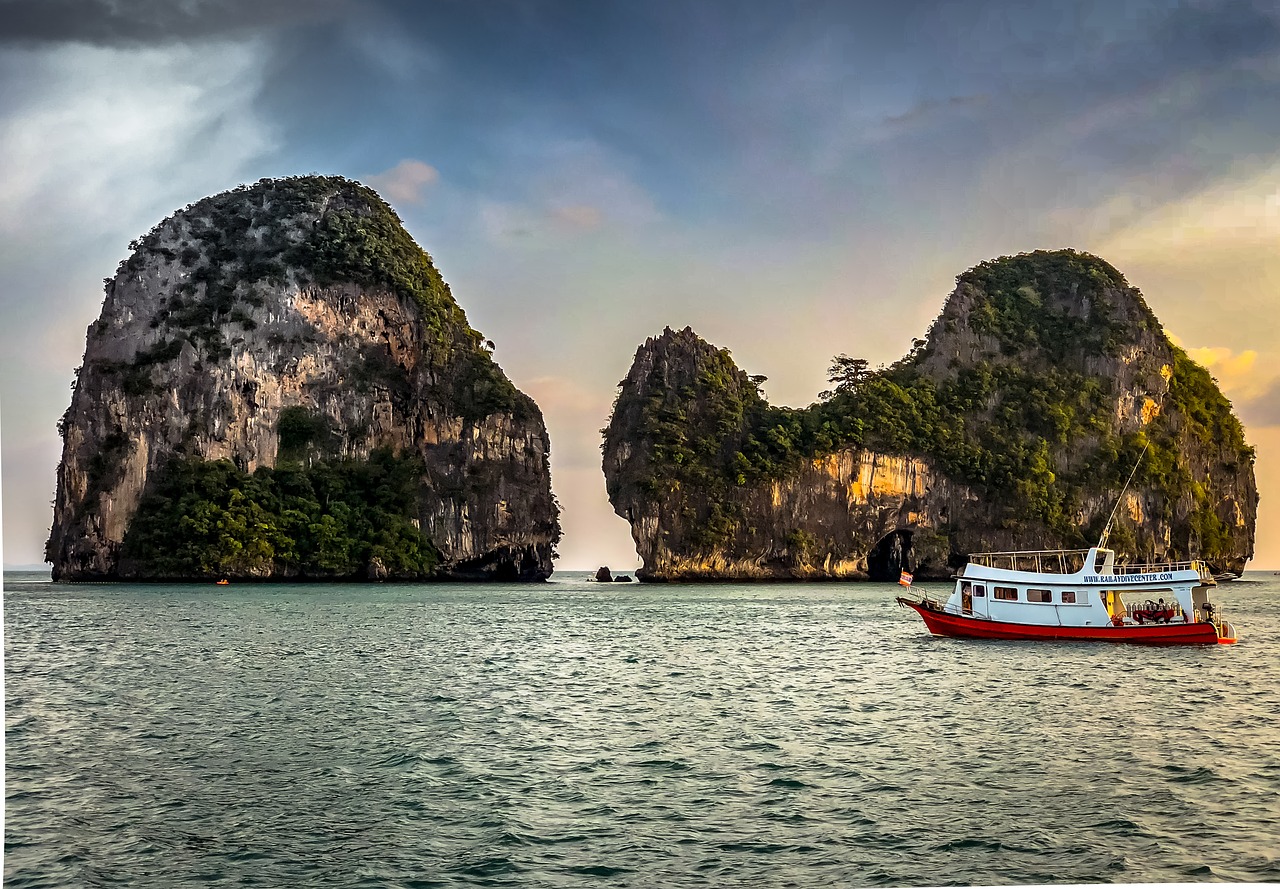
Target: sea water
582,734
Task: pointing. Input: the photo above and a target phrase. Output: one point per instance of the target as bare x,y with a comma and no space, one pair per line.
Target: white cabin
1080,588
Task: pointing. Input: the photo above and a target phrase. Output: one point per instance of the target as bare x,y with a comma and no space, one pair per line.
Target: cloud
141,22
1235,372
1121,140
503,220
406,182
557,189
98,145
582,183
1206,34
1264,409
101,135
1252,385
583,216
1227,215
933,108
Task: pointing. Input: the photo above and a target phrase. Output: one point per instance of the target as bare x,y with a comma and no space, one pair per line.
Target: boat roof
1093,566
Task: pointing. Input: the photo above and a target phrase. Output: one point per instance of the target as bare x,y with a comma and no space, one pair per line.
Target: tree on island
847,374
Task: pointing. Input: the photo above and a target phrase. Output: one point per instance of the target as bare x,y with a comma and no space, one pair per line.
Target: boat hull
941,623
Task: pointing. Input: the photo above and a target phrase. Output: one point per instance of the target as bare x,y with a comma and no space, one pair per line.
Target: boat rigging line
1106,530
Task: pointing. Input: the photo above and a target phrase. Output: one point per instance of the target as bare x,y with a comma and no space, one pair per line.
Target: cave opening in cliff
890,557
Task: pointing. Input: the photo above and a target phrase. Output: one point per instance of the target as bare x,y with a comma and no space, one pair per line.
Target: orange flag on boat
905,579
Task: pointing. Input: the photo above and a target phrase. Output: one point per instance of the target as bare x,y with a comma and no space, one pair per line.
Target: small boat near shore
1077,594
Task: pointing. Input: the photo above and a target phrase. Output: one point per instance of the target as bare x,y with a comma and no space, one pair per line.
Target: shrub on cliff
252,235
331,519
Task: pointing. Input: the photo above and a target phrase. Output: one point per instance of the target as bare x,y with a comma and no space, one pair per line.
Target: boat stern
1226,632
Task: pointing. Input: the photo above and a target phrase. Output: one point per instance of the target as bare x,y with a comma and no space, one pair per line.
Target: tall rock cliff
1014,425
281,385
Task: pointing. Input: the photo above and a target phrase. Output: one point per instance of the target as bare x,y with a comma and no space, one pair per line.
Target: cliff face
1014,425
838,514
294,329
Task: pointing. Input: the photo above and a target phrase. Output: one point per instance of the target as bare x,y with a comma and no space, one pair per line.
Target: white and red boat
1077,594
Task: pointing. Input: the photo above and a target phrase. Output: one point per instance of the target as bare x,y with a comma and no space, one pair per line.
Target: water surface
579,734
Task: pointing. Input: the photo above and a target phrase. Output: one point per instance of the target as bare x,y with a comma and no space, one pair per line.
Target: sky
791,179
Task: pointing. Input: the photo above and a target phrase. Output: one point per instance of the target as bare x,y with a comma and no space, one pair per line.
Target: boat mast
1106,530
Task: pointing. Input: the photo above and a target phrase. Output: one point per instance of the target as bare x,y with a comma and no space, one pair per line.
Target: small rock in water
603,575
622,578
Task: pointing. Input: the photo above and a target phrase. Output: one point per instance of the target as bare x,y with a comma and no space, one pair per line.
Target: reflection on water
576,734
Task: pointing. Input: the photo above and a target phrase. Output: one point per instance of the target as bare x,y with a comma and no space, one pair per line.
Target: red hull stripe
941,624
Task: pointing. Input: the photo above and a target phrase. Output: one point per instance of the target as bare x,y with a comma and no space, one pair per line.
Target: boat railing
960,612
941,607
1071,561
1195,565
1052,561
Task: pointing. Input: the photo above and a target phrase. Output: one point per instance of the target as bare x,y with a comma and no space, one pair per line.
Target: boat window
1068,597
1005,592
980,591
1039,596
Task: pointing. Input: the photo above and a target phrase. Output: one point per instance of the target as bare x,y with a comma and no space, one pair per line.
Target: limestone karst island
281,385
1013,425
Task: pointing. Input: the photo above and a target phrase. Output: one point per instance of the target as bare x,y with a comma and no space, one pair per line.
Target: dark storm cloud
484,82
140,22
716,105
1207,35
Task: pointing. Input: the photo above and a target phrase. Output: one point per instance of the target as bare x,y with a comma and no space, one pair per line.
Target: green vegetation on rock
332,519
298,430
311,231
1012,303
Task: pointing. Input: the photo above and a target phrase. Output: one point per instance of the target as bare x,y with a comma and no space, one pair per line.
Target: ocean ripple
575,734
